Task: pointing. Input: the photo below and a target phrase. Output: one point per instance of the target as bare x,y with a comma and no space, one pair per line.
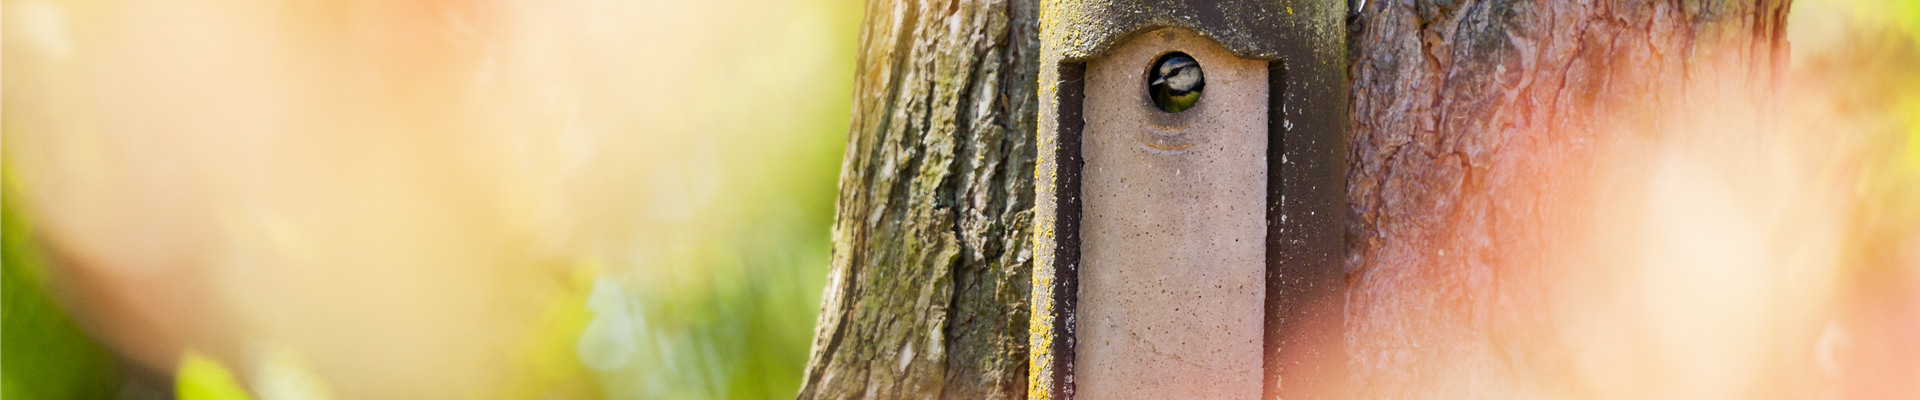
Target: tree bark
1481,133
927,294
1459,109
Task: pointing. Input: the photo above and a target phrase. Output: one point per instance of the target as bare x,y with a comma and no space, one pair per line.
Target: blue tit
1175,82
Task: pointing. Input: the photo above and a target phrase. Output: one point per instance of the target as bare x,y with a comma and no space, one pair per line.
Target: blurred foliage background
518,199
618,199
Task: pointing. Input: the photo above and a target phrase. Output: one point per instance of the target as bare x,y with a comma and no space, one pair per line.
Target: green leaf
202,378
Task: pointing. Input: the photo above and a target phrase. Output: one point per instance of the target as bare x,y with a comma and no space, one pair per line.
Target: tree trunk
927,294
1458,108
1483,135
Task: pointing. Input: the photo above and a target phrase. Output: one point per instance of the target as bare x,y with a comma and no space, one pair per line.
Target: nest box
1191,200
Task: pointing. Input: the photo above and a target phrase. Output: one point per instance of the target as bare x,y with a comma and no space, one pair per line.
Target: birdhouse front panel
1173,225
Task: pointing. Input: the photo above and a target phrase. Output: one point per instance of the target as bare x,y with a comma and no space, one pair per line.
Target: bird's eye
1174,82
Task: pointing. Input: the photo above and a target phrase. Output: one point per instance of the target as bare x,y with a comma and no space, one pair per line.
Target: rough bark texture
927,293
1476,129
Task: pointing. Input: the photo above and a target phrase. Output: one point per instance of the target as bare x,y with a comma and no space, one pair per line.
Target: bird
1175,82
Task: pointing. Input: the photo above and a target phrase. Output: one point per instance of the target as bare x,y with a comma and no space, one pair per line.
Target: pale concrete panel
1173,228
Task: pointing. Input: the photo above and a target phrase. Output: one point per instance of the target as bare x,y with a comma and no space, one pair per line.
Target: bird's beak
1157,81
